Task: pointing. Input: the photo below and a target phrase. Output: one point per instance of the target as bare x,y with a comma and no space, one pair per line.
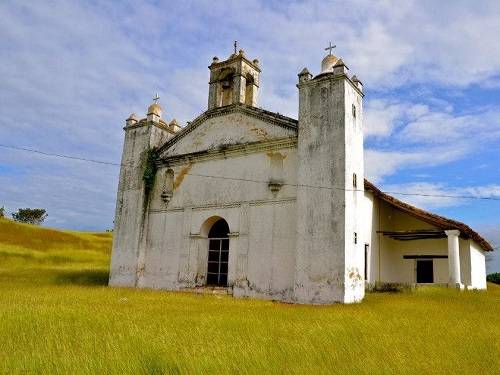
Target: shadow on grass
84,277
153,364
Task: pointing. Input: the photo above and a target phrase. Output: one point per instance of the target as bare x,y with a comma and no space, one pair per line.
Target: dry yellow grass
31,237
59,317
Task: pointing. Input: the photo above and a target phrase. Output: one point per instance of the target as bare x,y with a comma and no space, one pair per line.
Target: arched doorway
218,253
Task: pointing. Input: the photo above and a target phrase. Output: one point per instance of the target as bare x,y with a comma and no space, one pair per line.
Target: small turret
132,120
154,110
174,126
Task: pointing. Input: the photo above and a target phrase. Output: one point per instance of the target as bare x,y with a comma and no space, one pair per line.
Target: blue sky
73,71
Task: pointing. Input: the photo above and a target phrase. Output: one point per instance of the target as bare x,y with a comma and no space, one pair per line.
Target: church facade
272,207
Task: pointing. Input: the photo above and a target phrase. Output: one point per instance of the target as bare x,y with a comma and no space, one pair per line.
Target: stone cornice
142,123
267,116
227,205
331,76
228,151
231,60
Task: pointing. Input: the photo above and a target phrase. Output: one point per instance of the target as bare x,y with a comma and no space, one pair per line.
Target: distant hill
30,251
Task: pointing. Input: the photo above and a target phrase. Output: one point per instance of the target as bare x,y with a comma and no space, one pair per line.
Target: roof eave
437,220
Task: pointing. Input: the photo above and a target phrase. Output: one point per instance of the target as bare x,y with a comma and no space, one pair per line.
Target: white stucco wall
478,266
386,259
130,205
329,262
387,255
262,224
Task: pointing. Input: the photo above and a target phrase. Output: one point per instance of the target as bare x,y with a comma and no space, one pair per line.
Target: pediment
228,126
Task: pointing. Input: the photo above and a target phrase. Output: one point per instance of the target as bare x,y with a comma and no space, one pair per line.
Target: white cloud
73,72
401,134
380,164
438,195
418,110
75,194
446,128
380,117
432,195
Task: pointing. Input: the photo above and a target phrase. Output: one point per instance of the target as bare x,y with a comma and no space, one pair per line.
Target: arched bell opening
250,89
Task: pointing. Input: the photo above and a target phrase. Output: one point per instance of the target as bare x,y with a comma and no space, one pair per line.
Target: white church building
272,207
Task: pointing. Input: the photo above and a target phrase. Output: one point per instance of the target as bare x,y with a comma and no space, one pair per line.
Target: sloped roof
268,116
430,218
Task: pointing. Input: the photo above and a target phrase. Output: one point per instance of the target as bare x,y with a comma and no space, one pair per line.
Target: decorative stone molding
227,205
275,186
267,116
229,151
166,197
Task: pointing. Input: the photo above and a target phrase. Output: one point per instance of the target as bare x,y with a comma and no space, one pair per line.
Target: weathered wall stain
271,154
261,133
180,176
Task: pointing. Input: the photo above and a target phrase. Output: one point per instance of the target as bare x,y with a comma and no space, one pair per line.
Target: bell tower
330,247
235,80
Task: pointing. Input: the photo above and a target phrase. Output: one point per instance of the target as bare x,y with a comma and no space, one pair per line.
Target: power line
251,180
59,155
443,195
345,189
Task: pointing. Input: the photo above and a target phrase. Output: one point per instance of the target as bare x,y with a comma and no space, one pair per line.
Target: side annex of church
272,207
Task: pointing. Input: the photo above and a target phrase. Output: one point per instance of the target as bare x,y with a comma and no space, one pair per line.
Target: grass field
57,316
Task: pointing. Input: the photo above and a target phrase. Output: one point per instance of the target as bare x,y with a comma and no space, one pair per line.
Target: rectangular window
354,180
355,237
353,111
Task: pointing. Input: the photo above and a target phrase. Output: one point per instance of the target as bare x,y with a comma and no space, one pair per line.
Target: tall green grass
57,316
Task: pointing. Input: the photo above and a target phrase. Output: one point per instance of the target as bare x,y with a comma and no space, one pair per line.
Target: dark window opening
353,111
367,248
355,237
425,271
354,180
219,230
218,253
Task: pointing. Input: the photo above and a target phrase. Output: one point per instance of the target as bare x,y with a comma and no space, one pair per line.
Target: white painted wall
262,224
329,263
478,266
128,245
387,264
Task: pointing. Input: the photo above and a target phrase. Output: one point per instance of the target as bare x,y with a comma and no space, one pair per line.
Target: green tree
493,278
34,216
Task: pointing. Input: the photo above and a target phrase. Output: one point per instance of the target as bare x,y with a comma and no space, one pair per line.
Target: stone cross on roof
156,98
329,49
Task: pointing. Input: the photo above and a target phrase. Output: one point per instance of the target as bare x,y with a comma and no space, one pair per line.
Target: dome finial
329,60
154,110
